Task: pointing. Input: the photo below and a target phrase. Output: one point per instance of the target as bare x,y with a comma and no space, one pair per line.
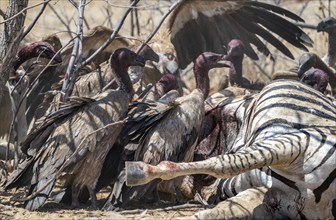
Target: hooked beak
154,57
306,62
224,62
140,61
58,58
321,26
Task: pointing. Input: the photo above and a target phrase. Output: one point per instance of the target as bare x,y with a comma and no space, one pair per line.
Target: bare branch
113,35
70,75
66,24
2,14
175,5
28,29
21,12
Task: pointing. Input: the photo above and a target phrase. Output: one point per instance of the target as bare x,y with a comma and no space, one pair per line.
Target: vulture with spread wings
197,26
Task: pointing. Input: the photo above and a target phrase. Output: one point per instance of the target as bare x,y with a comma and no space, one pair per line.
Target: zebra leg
280,150
245,205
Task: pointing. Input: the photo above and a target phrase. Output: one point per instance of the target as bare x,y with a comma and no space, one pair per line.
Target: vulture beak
321,26
140,61
224,62
154,57
306,62
58,58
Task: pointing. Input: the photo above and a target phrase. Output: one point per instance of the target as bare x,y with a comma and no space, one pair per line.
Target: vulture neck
25,54
236,72
119,70
202,79
331,57
331,74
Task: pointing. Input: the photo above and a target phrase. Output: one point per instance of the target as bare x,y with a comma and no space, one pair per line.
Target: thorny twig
109,17
175,5
70,74
2,14
28,29
66,24
22,12
113,35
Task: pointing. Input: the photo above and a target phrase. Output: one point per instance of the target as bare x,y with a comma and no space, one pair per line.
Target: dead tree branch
71,75
32,24
175,5
113,35
2,14
66,24
22,12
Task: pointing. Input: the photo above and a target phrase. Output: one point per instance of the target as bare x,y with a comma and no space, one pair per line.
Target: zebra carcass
283,158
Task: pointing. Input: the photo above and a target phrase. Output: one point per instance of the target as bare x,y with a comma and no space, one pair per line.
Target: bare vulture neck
202,79
236,72
25,54
119,70
331,56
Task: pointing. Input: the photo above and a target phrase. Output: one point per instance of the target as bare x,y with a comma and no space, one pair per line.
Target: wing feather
201,25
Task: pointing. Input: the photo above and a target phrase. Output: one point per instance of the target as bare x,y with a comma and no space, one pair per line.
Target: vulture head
126,58
327,25
166,83
210,60
235,50
316,78
38,49
149,54
120,61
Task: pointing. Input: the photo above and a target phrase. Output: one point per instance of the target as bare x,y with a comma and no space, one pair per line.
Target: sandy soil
167,210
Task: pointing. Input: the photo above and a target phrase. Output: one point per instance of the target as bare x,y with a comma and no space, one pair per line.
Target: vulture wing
142,116
201,25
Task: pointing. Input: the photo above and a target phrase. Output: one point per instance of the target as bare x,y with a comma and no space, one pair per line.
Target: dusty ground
167,210
100,12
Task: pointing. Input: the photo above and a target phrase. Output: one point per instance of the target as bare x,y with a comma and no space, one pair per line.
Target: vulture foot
179,197
109,207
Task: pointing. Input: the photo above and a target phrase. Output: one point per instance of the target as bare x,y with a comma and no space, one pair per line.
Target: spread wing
208,25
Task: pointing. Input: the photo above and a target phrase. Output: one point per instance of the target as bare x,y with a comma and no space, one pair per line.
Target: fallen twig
169,208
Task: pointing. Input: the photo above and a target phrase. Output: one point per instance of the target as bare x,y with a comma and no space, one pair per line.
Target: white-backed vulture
328,25
91,42
166,130
71,144
309,60
7,102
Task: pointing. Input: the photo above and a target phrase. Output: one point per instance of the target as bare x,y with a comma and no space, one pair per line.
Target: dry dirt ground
108,12
166,210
